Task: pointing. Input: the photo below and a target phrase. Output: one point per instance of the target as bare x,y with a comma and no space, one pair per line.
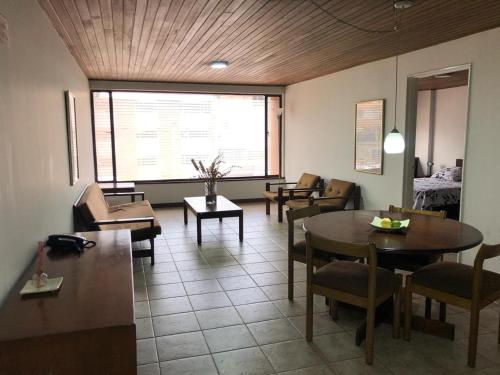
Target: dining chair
359,284
440,214
468,287
297,250
413,263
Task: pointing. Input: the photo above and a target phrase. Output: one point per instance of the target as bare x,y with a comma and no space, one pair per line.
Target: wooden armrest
280,183
149,219
320,189
326,198
125,194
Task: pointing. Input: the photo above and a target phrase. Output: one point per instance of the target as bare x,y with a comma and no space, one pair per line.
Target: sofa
93,213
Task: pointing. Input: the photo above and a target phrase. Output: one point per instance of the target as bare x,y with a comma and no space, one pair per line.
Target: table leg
198,229
241,226
185,213
220,219
382,315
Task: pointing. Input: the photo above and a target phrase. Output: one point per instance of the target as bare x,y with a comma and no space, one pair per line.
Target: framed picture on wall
72,137
369,136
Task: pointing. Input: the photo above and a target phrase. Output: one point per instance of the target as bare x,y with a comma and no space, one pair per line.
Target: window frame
186,180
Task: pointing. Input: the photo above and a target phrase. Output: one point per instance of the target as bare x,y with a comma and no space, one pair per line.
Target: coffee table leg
220,220
241,226
198,229
185,213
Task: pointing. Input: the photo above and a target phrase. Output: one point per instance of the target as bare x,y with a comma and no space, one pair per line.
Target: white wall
320,126
449,129
35,193
422,130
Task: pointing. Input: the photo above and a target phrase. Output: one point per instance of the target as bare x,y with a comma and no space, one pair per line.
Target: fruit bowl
378,224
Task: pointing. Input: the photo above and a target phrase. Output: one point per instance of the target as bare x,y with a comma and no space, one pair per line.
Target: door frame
411,128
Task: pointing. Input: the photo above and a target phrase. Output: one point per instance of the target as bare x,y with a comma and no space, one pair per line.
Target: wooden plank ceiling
264,41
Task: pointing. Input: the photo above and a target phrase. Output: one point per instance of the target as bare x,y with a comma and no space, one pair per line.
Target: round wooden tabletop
425,235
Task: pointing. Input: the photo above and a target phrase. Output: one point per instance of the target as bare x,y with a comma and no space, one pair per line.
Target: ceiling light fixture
403,4
219,64
394,142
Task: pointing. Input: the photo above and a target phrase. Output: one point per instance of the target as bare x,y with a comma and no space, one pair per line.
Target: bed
441,191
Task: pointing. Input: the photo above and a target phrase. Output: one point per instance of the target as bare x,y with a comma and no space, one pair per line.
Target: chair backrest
293,215
339,188
441,214
307,181
484,252
367,251
92,205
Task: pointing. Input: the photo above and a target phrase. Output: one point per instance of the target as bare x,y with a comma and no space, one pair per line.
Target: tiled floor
222,308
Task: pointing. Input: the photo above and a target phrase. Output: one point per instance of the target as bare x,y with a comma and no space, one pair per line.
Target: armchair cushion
139,231
273,195
337,188
92,205
297,204
352,277
307,181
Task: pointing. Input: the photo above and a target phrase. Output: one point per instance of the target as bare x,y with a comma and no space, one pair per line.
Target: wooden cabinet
87,327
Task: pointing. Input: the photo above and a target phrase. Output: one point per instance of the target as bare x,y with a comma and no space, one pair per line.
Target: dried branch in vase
214,172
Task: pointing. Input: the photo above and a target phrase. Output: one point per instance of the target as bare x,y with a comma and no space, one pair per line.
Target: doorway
436,129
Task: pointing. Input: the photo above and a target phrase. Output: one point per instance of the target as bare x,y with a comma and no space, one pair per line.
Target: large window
141,136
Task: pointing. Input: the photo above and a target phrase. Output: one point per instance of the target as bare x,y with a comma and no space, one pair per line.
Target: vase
211,192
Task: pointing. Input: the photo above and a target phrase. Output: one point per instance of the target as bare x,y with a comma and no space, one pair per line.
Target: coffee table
223,208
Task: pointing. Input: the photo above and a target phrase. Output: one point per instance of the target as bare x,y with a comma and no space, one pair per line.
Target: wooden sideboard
87,327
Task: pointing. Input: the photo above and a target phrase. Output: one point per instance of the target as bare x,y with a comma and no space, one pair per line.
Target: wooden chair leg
473,332
334,309
428,308
499,329
370,330
309,314
290,277
408,308
280,212
152,242
442,311
396,323
268,207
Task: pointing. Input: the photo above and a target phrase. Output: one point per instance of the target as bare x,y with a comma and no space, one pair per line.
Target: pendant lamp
394,142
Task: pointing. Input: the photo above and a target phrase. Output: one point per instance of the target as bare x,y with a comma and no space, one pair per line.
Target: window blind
157,134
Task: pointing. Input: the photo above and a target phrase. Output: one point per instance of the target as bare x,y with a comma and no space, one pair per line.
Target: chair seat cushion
273,195
352,278
456,279
297,204
139,231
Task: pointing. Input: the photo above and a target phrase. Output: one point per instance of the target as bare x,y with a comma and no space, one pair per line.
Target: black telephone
68,243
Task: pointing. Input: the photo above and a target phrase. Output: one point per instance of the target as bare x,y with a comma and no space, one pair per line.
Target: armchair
332,198
301,190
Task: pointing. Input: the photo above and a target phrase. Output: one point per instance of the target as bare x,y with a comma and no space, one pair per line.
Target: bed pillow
449,174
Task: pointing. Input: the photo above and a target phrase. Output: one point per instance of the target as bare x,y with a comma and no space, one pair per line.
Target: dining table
425,236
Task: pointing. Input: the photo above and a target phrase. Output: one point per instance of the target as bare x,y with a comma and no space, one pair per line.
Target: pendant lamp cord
396,30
